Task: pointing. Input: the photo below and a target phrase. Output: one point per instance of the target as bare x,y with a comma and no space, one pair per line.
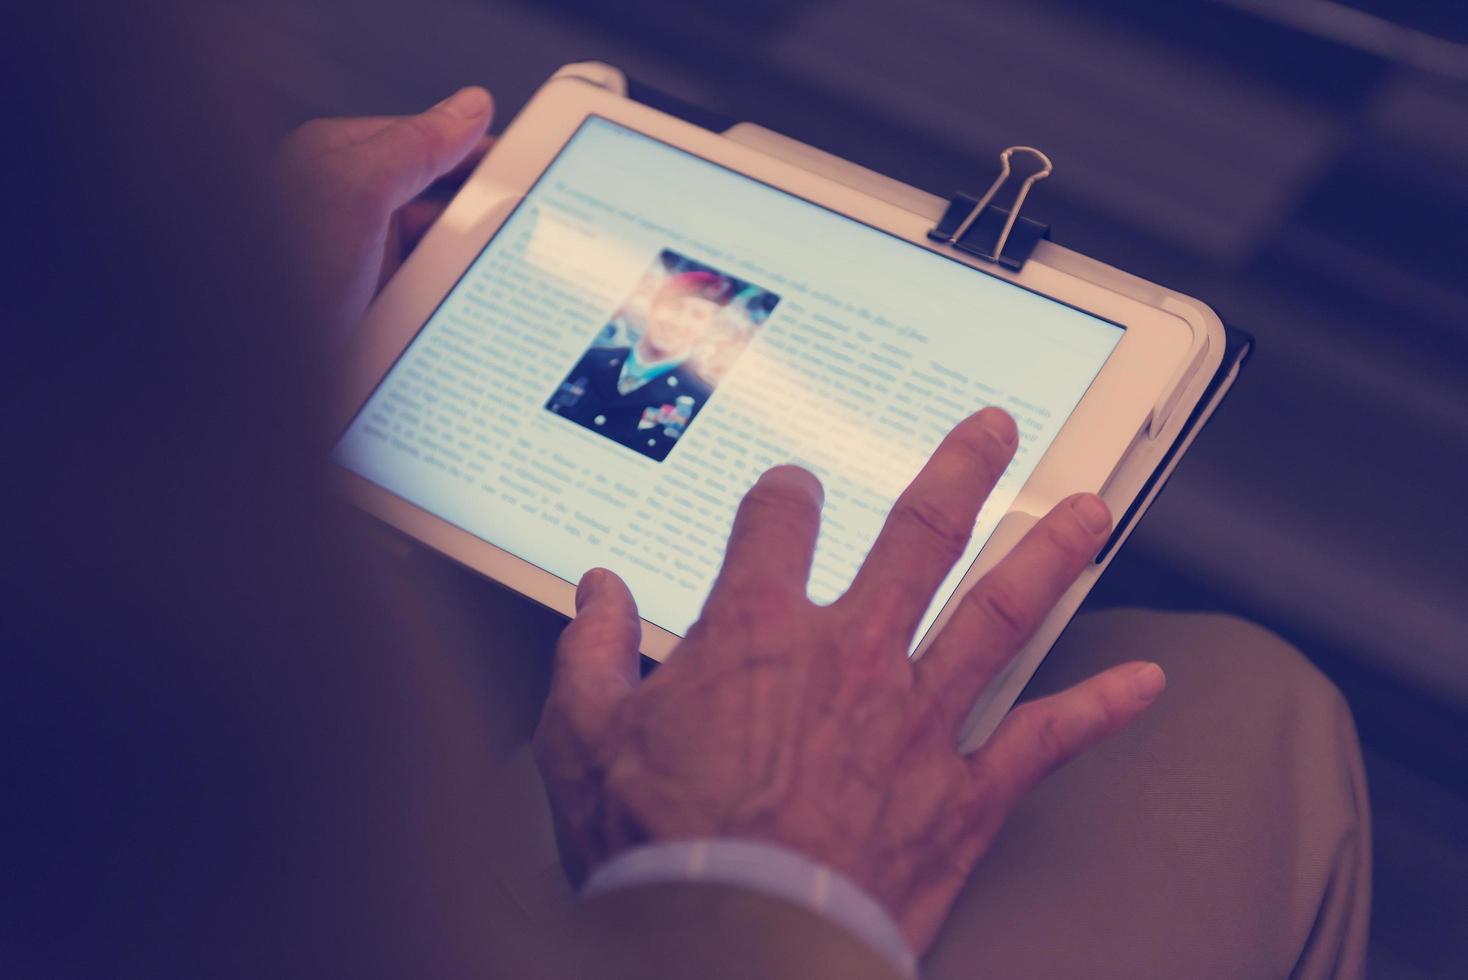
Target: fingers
1039,737
931,523
596,667
340,182
389,155
414,220
774,537
461,170
997,616
403,158
418,215
597,655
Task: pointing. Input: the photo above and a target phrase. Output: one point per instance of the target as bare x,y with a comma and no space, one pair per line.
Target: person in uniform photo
643,393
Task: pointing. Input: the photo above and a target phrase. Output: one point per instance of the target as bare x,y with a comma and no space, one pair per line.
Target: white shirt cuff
761,867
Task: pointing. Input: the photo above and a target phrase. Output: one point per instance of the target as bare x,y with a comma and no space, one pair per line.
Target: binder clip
982,228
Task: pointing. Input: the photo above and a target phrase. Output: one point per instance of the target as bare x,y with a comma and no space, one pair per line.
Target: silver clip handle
1046,169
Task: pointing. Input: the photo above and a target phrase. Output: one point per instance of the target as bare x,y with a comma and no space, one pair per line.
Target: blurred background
1299,165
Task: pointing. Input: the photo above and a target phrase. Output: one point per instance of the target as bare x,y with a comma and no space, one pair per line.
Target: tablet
623,319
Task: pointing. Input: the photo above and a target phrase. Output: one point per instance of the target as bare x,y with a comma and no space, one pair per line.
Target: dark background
1300,166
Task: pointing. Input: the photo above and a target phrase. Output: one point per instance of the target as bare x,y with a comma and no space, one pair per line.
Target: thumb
596,667
597,656
410,153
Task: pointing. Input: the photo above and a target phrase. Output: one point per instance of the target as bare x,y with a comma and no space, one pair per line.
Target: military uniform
649,419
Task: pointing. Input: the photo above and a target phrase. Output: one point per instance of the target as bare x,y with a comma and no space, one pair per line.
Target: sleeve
766,868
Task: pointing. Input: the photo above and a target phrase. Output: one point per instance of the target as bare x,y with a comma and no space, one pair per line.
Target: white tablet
623,319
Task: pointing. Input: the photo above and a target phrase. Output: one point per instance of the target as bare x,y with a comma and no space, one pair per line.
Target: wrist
763,867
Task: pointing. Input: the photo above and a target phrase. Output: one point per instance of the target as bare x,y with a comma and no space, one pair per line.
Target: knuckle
1050,739
1003,608
946,534
1107,711
867,633
1065,534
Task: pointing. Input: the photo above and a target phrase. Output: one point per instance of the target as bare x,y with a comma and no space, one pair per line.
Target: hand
807,726
349,190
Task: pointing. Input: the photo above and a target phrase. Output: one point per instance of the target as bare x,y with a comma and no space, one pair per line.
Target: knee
1245,774
1208,657
1241,704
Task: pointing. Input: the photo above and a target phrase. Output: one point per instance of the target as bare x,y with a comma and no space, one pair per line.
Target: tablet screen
649,331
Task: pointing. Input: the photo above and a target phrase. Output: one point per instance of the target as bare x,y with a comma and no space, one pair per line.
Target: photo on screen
661,354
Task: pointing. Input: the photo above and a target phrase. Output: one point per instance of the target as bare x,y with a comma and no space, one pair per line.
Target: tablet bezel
1147,363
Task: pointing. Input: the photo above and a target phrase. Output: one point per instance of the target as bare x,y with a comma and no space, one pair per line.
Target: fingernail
1092,512
587,587
1148,682
998,423
467,103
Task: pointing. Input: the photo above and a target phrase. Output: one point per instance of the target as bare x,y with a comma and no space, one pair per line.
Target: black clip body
979,227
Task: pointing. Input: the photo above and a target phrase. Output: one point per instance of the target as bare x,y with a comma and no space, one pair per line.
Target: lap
1225,834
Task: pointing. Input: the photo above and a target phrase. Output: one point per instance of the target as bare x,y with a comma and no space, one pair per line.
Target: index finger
931,523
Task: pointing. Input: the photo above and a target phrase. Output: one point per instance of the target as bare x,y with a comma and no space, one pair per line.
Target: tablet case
980,227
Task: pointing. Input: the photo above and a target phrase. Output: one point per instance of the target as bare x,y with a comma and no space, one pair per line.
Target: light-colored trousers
1225,834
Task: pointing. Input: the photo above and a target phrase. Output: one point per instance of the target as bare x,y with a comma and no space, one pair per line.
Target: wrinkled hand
349,193
807,726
